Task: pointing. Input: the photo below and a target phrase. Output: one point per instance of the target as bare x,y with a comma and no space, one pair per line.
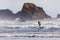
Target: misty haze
29,18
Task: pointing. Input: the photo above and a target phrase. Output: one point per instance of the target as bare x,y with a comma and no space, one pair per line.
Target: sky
51,7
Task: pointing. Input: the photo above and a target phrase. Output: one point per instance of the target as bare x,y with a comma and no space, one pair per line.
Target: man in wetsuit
39,23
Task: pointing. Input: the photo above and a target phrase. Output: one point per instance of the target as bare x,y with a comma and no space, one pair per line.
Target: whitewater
17,30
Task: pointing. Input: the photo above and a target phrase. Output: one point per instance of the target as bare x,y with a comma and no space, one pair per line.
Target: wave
29,30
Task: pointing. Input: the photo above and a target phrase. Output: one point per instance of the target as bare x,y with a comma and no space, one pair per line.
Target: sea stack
58,15
30,11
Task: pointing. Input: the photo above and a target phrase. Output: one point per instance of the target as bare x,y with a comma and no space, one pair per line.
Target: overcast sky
51,7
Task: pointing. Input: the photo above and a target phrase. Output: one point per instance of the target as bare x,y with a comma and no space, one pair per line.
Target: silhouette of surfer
39,23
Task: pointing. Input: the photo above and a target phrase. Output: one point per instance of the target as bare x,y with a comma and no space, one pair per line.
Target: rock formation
58,15
6,14
31,11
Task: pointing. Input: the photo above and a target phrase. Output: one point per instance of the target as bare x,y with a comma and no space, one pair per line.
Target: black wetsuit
39,23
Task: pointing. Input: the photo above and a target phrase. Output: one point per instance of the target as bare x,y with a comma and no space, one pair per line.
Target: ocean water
27,38
31,30
28,30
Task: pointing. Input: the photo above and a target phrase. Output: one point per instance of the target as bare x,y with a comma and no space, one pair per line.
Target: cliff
7,14
31,11
58,15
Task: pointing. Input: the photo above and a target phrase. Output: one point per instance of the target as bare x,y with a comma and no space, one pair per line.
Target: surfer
40,27
39,23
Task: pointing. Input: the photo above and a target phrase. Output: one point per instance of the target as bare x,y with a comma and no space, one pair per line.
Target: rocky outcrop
58,15
7,14
31,11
